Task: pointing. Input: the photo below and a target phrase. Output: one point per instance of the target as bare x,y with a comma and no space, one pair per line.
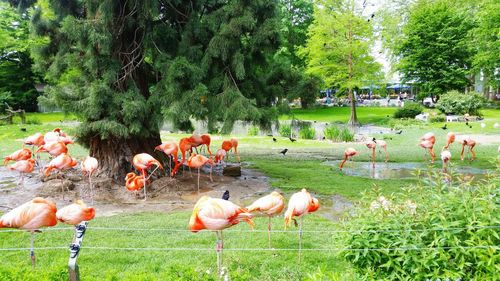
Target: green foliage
455,102
439,118
17,80
307,133
486,41
409,110
253,131
434,49
285,130
338,134
431,226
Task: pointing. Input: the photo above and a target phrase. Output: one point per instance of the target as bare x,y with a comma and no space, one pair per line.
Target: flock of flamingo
427,142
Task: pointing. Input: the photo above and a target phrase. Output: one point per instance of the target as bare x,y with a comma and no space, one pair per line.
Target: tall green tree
17,80
338,48
434,50
486,42
122,65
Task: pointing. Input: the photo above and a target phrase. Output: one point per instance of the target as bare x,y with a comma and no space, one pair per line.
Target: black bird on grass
225,196
274,139
399,133
466,123
444,127
23,129
284,151
292,139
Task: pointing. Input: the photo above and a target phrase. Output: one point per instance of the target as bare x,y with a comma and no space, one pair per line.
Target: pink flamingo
197,161
450,138
270,205
75,213
21,154
170,148
89,166
428,145
23,166
142,162
348,153
470,143
227,145
31,216
445,157
371,144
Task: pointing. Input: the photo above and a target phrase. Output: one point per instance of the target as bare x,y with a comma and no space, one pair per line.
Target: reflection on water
406,170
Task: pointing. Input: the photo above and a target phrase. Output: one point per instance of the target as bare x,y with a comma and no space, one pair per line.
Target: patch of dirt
163,194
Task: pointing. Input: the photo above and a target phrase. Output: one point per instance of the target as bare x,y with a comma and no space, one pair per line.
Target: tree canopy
338,48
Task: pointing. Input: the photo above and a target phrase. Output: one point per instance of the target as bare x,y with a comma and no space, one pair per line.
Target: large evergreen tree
122,65
338,48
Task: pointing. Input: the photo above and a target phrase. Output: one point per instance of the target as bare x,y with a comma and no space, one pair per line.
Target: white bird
496,125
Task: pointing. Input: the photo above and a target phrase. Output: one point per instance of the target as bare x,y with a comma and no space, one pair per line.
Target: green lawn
341,114
196,264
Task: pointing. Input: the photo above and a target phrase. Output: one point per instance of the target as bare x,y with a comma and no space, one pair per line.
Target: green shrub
33,121
346,135
425,233
253,131
437,119
285,130
455,102
409,110
332,132
307,133
336,133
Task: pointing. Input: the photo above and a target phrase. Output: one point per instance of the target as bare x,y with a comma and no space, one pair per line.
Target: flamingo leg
269,232
32,249
211,167
91,190
145,180
386,154
473,153
300,237
462,152
218,249
198,181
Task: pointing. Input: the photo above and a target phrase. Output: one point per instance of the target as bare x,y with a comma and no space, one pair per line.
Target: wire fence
99,228
156,249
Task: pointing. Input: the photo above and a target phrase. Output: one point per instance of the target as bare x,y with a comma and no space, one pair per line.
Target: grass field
301,167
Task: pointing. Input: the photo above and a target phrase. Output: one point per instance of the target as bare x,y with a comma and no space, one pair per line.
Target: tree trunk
353,120
115,155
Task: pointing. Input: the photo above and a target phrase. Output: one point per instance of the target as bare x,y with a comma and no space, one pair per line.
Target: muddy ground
164,194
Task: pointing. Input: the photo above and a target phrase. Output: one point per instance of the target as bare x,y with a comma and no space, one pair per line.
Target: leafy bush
428,233
338,134
332,132
285,130
253,131
307,133
409,110
455,102
437,119
33,121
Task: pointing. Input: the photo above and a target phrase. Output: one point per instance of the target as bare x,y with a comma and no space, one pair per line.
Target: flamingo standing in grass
382,144
371,144
270,205
445,157
470,143
227,145
170,148
89,166
142,162
75,213
348,153
23,166
450,138
31,216
217,214
21,154
300,204
428,145
54,148
197,161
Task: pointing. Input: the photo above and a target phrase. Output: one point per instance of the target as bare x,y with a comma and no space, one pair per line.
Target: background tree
486,42
338,48
17,80
123,65
434,50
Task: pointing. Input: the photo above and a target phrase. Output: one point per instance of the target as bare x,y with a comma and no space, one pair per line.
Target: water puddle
407,170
